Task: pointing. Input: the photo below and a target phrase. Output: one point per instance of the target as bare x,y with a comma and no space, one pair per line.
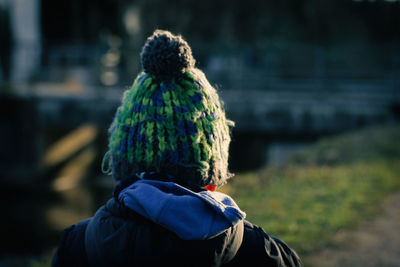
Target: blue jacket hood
191,215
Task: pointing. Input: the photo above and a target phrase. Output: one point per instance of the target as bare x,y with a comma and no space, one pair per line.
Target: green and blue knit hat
171,120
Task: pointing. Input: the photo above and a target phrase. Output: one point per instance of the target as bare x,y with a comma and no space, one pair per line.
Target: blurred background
291,73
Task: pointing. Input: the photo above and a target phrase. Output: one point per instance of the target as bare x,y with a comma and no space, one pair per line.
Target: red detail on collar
211,187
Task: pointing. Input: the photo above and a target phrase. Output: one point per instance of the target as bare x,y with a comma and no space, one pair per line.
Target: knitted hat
171,120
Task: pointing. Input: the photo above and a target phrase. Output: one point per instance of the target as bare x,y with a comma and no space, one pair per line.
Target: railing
273,66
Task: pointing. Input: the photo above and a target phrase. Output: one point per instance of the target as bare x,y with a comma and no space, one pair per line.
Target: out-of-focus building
286,68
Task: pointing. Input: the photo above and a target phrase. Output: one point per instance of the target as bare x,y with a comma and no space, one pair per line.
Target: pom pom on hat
165,55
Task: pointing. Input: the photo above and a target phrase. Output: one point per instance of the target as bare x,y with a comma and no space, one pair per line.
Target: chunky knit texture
171,119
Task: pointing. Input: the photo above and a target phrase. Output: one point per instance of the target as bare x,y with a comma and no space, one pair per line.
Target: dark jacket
180,227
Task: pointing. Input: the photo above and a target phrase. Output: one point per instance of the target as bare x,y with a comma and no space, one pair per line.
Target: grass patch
336,184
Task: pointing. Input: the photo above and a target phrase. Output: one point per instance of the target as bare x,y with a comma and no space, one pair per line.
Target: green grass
336,184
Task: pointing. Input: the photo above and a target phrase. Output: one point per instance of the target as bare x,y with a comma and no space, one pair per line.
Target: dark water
33,218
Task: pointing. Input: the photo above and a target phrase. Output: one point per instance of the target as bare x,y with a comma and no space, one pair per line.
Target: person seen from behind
168,150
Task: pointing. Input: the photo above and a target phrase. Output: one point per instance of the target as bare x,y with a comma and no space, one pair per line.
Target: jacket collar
156,177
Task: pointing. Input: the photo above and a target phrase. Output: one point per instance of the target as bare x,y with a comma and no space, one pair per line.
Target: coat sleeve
260,249
71,250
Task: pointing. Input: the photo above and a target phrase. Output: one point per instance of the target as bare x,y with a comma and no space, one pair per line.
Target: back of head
171,120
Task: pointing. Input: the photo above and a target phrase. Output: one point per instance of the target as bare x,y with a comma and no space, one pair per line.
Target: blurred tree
6,43
229,21
251,20
80,21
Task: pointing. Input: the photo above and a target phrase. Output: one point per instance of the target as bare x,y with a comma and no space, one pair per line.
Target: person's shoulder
261,249
71,248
